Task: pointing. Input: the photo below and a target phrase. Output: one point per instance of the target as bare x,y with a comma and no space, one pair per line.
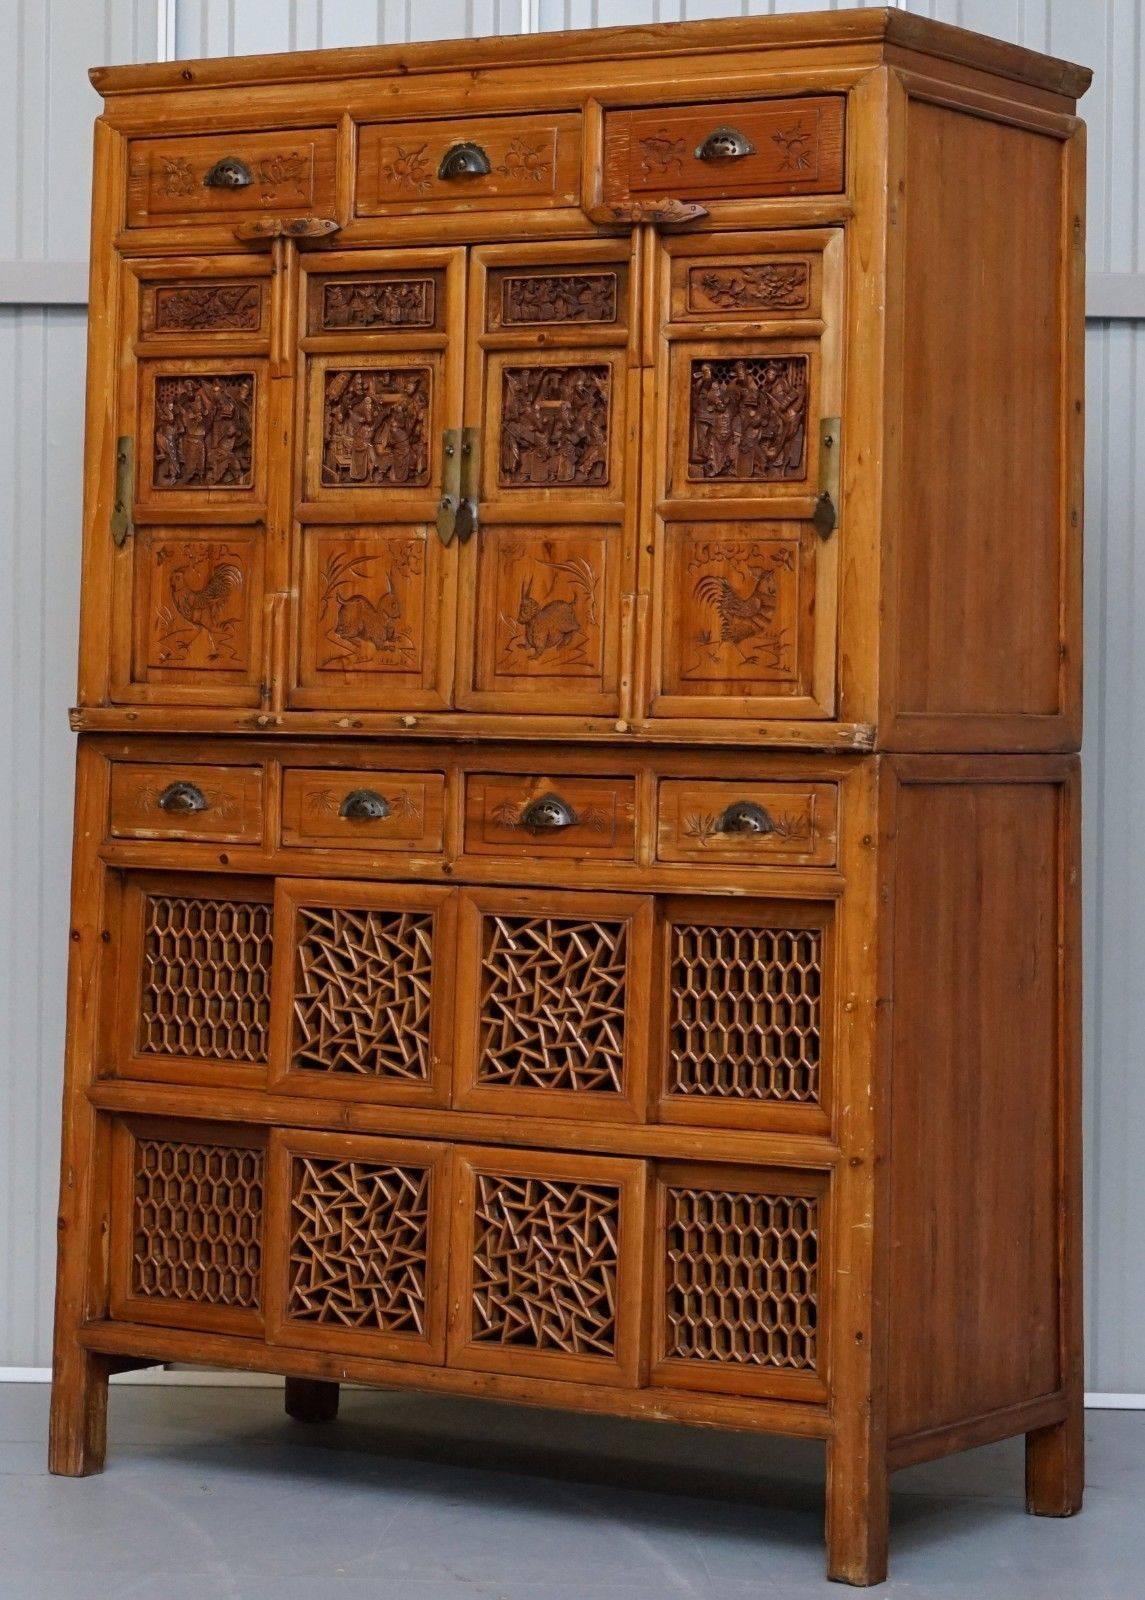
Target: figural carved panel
376,302
747,418
203,431
362,992
546,1259
359,1244
375,427
521,299
554,426
206,307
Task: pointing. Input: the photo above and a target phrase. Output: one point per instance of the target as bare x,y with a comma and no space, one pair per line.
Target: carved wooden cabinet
575,888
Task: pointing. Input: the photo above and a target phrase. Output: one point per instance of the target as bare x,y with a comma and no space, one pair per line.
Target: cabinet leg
858,1514
1055,1466
77,1434
311,1400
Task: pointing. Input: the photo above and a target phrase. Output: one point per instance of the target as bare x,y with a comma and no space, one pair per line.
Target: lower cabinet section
531,1263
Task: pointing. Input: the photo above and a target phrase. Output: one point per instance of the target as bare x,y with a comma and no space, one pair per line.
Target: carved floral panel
375,426
747,418
750,286
205,307
203,431
554,426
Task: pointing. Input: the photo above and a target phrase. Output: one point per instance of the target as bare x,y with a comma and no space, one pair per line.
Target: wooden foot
1055,1467
311,1400
858,1513
77,1435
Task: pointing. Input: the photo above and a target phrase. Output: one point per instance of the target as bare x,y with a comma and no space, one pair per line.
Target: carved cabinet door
741,571
380,375
551,384
192,565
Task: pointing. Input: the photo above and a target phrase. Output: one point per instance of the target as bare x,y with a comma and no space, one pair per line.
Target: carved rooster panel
199,603
738,602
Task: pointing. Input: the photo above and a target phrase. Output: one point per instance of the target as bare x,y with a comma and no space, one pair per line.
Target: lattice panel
552,1003
742,1278
206,978
545,1256
746,1013
197,1223
362,992
358,1244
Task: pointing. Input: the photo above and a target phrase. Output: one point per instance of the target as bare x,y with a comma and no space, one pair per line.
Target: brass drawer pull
464,160
182,799
228,173
364,805
744,816
725,144
548,813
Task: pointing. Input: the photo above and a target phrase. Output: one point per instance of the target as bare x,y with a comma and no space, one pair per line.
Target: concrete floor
213,1494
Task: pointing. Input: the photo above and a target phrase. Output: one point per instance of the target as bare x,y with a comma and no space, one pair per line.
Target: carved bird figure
742,616
203,604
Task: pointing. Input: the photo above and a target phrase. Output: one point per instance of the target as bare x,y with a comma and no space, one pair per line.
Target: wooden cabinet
575,889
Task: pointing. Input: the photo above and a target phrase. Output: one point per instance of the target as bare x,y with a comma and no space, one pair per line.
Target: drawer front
208,178
792,146
482,163
221,805
756,824
358,810
511,814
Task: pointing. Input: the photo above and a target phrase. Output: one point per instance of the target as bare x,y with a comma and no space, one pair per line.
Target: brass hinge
826,513
460,484
124,483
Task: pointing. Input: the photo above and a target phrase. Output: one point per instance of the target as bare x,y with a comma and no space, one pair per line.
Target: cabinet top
885,31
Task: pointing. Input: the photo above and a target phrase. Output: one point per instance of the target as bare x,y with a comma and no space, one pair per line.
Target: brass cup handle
228,173
364,805
182,799
745,817
464,160
724,144
548,813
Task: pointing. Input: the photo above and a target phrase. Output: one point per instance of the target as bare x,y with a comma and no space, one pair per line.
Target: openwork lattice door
552,1002
356,1258
362,989
194,978
740,1280
546,1264
187,1227
745,1025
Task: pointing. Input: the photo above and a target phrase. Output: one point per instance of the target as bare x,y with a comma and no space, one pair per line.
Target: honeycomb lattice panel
197,1223
746,1013
552,1004
362,992
358,1246
742,1278
545,1256
206,978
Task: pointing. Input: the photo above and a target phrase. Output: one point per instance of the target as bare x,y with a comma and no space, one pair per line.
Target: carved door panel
382,342
194,566
552,385
742,622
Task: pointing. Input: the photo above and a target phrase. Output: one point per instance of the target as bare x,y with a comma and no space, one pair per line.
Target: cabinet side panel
977,1032
985,587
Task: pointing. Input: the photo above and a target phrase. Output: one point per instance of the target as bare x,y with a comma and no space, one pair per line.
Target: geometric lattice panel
358,1244
746,1013
742,1277
197,1223
552,1003
206,978
362,992
545,1257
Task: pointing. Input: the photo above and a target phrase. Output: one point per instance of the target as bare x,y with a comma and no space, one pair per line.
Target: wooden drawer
221,805
522,161
517,814
181,180
363,810
756,824
793,146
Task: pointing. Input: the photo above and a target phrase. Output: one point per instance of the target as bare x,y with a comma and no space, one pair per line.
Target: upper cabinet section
219,177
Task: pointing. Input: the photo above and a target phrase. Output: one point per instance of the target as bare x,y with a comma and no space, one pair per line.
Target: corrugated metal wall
46,109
